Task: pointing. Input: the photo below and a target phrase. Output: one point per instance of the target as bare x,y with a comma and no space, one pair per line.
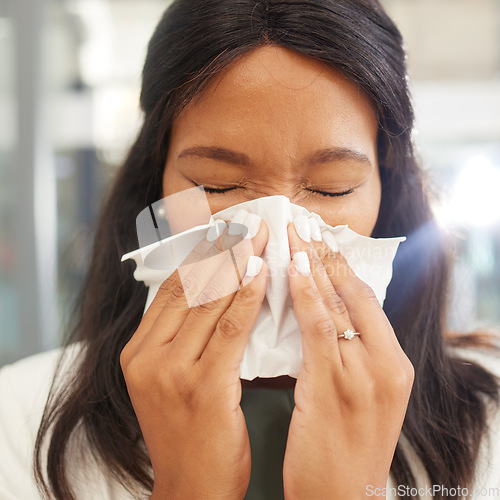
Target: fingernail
237,221
301,262
329,239
252,222
216,229
254,265
302,227
315,230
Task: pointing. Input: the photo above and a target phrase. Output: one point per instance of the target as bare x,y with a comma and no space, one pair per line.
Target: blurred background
69,87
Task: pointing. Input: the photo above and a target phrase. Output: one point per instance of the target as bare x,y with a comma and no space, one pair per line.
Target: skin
181,366
278,108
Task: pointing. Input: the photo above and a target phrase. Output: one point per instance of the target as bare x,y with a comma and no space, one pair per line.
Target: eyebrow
241,159
217,153
337,154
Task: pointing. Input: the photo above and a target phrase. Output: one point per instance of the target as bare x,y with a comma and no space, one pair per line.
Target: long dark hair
194,42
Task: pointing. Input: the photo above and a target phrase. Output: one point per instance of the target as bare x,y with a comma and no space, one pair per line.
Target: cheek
358,210
183,211
365,219
172,182
369,213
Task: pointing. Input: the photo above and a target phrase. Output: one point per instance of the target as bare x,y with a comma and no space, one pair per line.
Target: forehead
279,94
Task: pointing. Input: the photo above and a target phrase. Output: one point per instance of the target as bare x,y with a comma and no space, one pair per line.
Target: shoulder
488,463
24,389
487,358
31,371
25,384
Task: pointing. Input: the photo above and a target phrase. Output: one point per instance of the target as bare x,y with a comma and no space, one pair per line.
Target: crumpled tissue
275,345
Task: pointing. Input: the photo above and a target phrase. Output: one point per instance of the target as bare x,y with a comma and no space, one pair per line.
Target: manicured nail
315,230
237,221
254,265
252,222
301,262
302,227
329,239
216,229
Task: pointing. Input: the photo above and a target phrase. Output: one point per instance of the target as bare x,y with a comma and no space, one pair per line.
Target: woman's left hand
351,395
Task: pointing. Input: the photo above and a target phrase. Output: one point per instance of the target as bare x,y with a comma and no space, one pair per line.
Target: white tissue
275,345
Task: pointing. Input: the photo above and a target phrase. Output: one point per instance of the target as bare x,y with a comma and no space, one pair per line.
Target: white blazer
24,387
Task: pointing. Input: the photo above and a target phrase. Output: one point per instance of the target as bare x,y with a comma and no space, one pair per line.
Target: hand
351,395
181,368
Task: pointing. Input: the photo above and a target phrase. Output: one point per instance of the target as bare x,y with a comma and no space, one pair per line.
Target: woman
237,95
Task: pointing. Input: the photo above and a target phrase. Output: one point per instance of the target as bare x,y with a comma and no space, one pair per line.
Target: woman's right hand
181,368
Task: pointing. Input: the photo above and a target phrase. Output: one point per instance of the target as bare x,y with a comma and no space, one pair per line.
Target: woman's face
277,122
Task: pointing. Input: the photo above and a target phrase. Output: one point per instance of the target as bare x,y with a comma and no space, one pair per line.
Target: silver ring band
348,334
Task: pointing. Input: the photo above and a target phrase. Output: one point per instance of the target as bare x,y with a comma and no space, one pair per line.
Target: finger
319,334
333,303
208,247
197,275
172,290
365,312
170,301
201,322
352,352
169,296
224,350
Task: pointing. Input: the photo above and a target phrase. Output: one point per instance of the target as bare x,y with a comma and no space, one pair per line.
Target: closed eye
219,190
326,193
322,193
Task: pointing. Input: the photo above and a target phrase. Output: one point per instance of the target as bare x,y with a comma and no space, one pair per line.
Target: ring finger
349,349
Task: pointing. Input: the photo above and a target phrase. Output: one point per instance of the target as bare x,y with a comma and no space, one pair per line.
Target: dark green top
267,413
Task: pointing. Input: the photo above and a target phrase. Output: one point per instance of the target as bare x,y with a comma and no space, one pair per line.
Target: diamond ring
348,334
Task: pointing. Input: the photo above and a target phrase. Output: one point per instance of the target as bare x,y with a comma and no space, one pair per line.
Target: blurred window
85,114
